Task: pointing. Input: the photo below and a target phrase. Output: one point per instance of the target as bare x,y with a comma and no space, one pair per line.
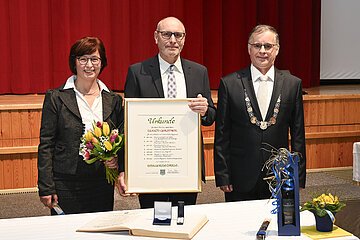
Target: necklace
90,93
95,91
262,124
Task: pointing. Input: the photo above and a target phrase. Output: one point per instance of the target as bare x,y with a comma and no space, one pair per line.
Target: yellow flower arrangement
323,203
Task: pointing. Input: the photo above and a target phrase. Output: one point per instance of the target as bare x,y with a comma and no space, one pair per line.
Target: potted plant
324,207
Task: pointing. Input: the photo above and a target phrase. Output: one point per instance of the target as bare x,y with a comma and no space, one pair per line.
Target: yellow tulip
106,129
88,136
108,145
97,131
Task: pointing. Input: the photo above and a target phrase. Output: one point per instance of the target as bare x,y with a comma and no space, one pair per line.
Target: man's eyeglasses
167,35
267,46
94,60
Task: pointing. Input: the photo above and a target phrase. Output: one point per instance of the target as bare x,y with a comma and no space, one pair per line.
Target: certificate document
162,146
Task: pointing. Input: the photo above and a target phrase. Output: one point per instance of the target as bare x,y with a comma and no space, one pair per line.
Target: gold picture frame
162,146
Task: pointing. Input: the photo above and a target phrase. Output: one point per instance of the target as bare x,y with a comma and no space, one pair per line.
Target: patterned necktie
171,84
262,96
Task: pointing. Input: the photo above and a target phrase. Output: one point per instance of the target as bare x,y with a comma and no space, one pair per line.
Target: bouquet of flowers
321,204
100,143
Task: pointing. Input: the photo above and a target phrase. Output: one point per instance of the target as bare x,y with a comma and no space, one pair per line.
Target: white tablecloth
227,221
356,161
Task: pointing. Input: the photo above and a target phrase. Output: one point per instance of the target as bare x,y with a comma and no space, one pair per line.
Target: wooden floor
332,125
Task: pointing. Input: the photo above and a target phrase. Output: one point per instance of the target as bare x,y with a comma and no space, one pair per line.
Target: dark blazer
144,81
238,157
60,133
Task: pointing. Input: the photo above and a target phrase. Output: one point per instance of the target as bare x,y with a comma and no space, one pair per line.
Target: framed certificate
162,146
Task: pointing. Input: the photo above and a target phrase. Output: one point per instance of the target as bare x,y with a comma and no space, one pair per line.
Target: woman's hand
49,200
113,163
226,188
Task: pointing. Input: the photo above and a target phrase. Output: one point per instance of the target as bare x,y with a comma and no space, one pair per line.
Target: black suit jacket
238,157
144,81
60,133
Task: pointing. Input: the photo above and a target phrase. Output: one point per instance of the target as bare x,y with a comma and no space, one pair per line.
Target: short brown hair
87,45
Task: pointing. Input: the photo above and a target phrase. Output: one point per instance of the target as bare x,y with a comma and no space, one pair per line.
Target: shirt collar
255,73
70,83
164,65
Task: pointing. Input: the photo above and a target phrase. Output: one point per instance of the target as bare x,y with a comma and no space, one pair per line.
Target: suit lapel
246,80
69,99
154,69
107,104
278,83
188,77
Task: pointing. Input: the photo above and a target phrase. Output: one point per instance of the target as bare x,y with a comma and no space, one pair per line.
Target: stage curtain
36,36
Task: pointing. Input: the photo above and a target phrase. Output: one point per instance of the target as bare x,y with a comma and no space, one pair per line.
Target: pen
261,234
180,218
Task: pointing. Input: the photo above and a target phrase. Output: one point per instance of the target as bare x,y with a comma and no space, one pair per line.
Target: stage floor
352,89
35,101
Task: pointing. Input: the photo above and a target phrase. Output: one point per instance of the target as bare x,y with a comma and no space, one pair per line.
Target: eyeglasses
167,35
94,60
267,46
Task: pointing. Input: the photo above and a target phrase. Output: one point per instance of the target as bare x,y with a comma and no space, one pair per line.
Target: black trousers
147,200
260,191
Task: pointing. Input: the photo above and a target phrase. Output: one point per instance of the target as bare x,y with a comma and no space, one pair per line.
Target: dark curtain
36,36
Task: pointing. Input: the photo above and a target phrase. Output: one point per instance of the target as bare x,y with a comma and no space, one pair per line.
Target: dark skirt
83,194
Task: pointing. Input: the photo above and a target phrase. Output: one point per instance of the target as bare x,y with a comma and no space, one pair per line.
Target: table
356,162
236,220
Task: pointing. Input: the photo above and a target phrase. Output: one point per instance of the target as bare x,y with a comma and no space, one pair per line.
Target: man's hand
121,186
199,105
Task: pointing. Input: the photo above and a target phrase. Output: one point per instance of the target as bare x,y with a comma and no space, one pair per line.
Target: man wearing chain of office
257,108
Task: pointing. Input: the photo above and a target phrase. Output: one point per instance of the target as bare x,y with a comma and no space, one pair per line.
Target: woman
63,175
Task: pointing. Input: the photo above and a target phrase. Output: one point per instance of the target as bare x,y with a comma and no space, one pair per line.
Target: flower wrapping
323,204
102,144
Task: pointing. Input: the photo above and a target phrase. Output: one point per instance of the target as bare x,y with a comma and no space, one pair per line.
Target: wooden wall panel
17,169
326,153
209,162
332,125
8,173
6,129
27,171
25,127
2,181
20,127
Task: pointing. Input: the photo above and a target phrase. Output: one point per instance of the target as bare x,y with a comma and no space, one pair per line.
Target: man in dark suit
151,79
257,105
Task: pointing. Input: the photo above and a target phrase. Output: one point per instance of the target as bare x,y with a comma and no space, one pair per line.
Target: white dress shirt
179,77
255,76
88,114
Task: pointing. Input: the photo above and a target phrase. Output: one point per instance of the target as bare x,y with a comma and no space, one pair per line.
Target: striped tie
171,84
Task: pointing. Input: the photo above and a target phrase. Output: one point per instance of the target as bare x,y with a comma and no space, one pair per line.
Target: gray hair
264,28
